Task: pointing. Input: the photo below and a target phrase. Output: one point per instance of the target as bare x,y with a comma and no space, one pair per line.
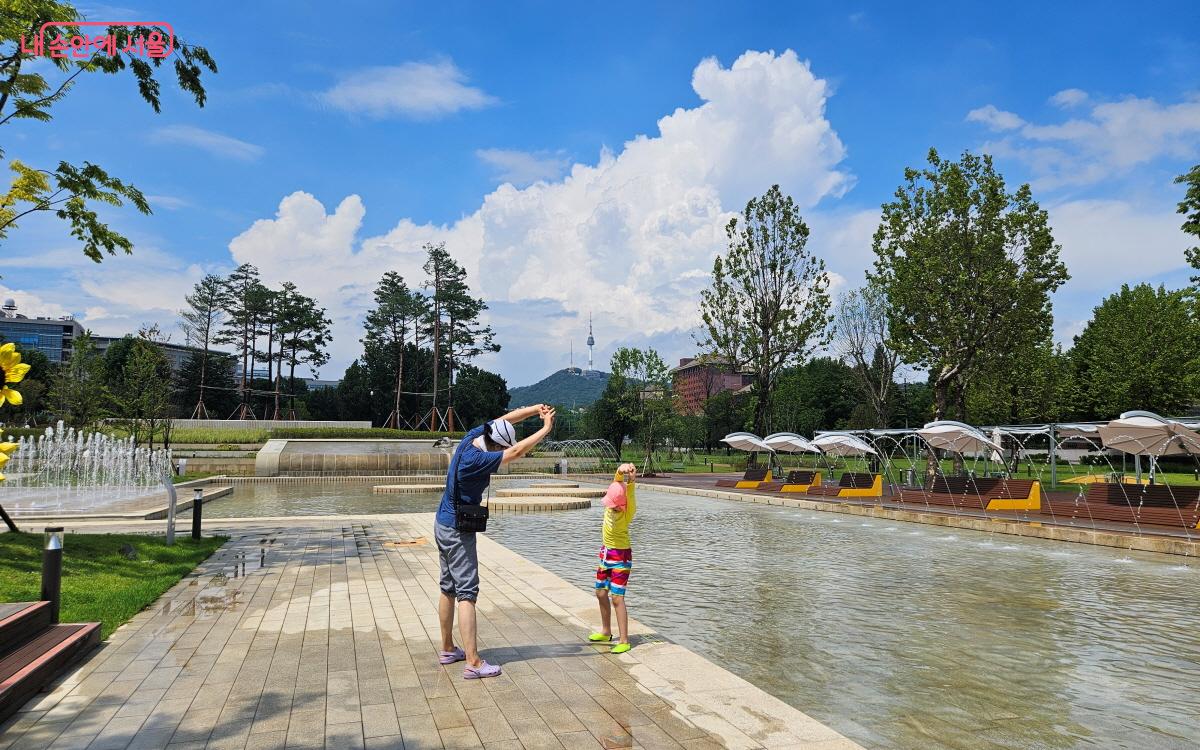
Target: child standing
616,557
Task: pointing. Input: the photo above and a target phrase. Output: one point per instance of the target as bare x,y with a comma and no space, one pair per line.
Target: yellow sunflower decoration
14,372
6,450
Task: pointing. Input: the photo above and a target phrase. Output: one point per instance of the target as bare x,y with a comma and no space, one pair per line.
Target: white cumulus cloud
523,167
1068,98
1110,140
217,144
630,237
996,119
418,90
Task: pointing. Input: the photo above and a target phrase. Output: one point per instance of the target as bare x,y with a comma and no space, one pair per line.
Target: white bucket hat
501,432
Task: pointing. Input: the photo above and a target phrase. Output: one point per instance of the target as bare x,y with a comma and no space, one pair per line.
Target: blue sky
587,159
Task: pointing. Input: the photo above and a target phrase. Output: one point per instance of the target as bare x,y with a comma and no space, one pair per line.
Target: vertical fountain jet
591,342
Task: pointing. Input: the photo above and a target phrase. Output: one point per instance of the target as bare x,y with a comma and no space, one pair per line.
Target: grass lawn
188,476
99,583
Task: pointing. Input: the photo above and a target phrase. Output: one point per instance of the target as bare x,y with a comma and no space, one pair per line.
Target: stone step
407,489
538,503
549,492
562,485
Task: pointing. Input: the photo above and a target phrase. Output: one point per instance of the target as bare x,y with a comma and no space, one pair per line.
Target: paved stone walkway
321,633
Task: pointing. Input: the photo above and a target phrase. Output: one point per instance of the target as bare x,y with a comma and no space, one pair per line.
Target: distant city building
321,385
50,336
176,354
698,379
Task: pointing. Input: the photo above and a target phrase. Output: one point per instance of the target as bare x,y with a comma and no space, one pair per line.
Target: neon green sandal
621,648
599,637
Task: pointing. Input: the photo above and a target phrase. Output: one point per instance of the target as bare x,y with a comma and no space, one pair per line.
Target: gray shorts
459,562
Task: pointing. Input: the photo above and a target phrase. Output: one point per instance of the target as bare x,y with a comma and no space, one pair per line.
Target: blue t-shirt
471,471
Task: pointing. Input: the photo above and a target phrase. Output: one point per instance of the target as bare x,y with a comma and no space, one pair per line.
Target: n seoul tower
591,342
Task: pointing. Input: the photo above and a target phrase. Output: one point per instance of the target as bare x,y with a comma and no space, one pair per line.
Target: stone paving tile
332,644
390,742
420,731
266,741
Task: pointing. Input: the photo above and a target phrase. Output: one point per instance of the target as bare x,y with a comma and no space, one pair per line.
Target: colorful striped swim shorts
613,571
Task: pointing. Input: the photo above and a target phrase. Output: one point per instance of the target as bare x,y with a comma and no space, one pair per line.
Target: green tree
355,397
1140,350
220,387
71,191
725,412
1189,207
200,321
242,302
647,401
611,416
142,396
482,395
967,269
304,336
768,306
821,394
1035,384
388,326
452,318
115,357
861,336
79,393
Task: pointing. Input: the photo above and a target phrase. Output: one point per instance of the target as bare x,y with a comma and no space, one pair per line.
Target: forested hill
567,387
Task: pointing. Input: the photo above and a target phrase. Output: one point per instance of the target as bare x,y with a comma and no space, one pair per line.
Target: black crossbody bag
467,518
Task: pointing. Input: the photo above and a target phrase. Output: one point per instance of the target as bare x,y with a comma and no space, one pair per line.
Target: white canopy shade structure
957,437
1144,433
746,441
843,444
790,442
1072,431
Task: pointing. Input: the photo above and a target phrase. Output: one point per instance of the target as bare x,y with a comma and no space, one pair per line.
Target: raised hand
629,471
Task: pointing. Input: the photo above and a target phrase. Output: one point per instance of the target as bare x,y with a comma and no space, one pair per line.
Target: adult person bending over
480,454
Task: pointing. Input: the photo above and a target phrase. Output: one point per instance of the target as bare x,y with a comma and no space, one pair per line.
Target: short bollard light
52,555
197,510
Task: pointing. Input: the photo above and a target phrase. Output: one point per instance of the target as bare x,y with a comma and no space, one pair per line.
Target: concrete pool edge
1146,543
698,691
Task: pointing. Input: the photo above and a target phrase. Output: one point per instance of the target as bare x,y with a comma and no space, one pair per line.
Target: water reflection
910,640
260,500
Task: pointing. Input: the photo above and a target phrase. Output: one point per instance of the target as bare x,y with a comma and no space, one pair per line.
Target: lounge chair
852,484
754,476
797,481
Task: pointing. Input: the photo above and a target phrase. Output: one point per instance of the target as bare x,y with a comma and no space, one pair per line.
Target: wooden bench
34,651
797,480
852,484
753,477
1155,504
984,493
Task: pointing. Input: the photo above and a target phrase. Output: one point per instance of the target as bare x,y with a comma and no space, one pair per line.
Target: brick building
698,379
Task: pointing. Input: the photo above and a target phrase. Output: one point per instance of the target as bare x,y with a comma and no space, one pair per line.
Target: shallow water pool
905,635
254,500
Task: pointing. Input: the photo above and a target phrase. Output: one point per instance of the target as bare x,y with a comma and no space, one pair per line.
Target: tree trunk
437,338
292,382
399,381
450,367
762,406
940,386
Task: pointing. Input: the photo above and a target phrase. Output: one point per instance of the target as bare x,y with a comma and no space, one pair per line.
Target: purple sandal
449,657
483,670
